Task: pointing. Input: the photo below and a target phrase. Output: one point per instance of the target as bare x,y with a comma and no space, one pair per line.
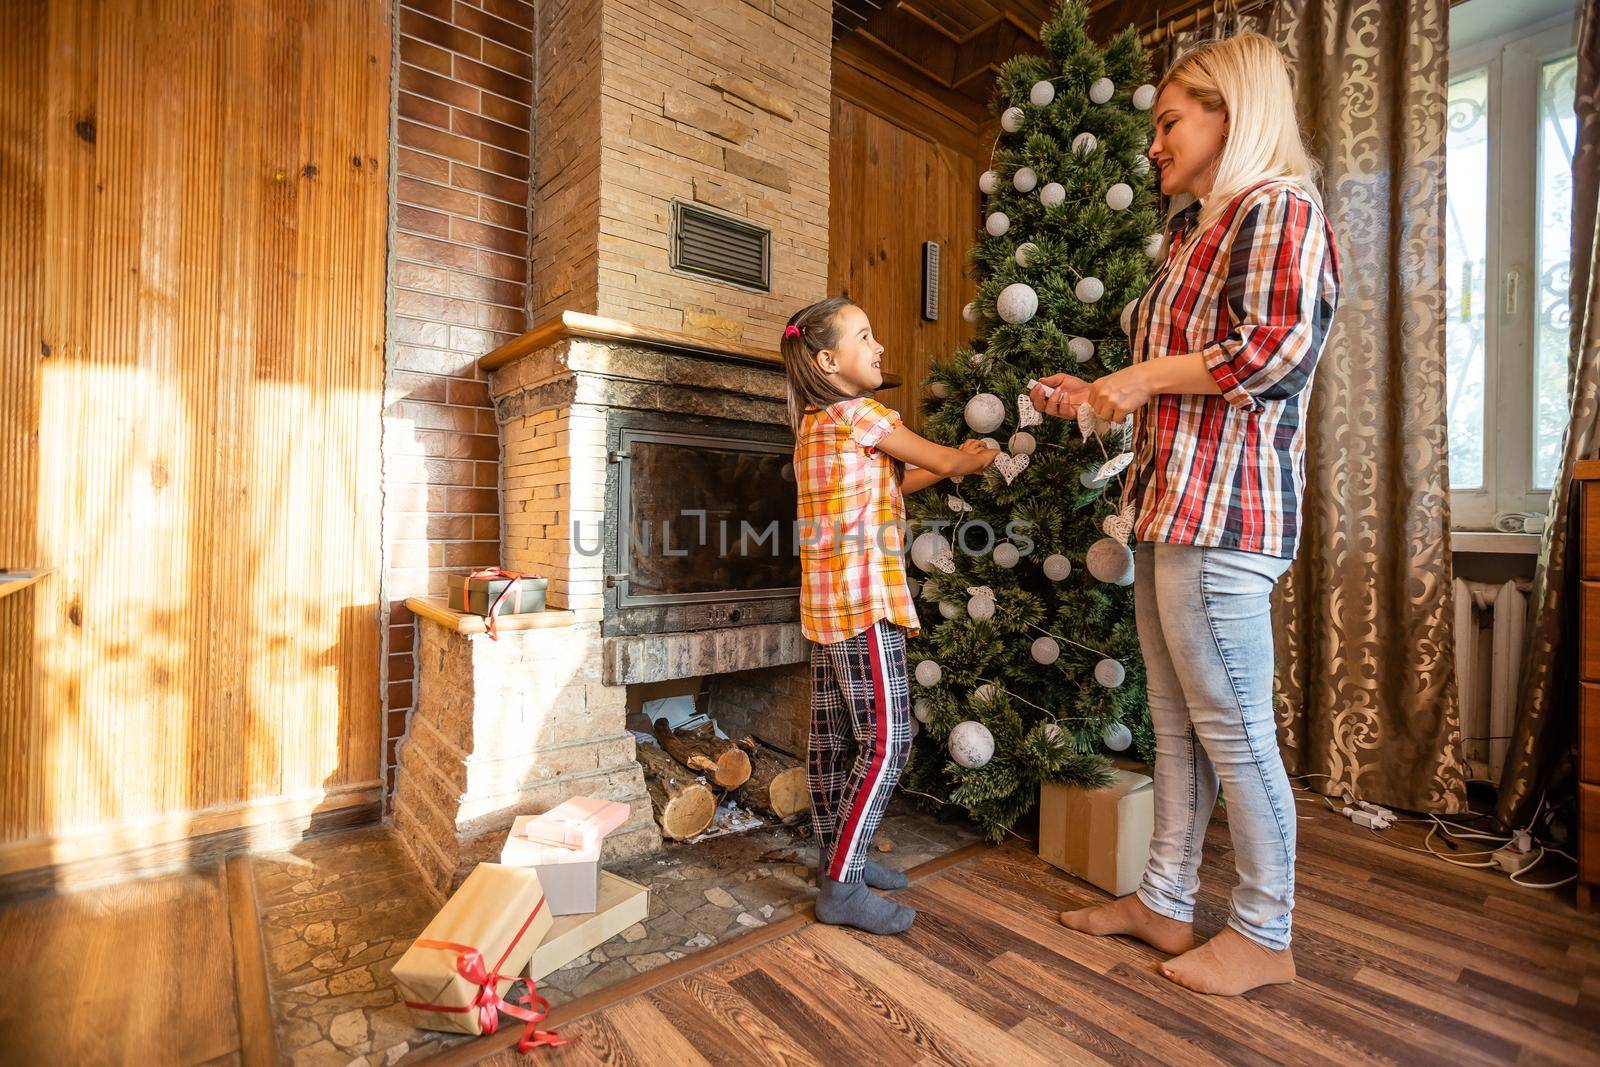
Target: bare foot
1131,916
1230,964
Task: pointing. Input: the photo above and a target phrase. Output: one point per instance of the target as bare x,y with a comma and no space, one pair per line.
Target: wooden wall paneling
195,314
894,188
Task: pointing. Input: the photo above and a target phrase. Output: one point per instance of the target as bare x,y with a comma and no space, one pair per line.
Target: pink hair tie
791,330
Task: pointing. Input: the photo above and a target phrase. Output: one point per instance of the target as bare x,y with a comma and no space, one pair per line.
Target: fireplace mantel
569,324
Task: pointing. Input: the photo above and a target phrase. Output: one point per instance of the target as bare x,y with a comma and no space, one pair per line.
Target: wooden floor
1403,959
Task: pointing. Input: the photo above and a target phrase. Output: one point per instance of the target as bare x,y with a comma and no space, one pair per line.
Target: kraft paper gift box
1099,835
570,876
576,823
622,903
474,595
455,975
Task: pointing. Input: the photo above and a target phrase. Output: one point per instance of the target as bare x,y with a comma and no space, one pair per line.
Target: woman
1225,342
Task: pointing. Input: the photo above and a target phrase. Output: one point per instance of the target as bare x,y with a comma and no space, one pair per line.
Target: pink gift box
577,823
570,876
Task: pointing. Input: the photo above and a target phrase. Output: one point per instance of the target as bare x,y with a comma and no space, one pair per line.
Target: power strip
1518,855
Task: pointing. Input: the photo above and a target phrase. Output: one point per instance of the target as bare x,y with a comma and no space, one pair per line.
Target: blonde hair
1245,76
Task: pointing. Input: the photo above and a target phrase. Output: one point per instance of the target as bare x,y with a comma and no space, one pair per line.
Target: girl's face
1188,143
852,362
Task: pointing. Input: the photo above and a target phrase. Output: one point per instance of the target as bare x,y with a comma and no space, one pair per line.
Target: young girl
854,602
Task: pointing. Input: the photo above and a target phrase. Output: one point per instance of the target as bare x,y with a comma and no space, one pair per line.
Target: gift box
1099,835
622,903
570,876
577,823
455,976
477,593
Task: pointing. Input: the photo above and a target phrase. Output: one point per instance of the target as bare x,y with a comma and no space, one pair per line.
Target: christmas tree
1027,668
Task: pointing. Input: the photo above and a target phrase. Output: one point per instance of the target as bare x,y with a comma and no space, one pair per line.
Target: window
1508,154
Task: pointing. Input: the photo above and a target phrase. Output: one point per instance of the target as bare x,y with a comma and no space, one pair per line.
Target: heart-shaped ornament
980,590
957,504
1118,527
1027,414
1010,466
1090,423
1113,466
943,561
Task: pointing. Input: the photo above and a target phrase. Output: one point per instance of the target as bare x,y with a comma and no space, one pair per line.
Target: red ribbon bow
531,1008
489,574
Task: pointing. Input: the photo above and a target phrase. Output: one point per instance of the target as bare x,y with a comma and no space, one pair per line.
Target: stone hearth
516,725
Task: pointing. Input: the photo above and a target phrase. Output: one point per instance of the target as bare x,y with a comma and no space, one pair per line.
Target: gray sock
880,877
853,904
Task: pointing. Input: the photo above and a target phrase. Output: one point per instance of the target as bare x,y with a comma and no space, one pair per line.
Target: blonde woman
1225,343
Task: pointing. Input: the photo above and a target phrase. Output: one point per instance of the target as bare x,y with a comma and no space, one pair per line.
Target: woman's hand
1063,402
1114,396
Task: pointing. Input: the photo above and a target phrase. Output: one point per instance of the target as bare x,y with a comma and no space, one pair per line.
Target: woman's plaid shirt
1254,294
852,523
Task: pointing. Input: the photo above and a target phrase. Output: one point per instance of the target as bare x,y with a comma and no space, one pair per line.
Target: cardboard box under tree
1099,835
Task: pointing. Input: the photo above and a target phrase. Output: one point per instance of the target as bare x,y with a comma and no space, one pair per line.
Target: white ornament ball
985,412
949,610
1042,93
1110,561
928,673
1127,316
1144,97
1011,119
989,182
1024,253
997,224
1116,737
986,693
922,710
990,443
1089,289
916,728
1006,555
1141,164
913,587
1045,650
971,744
1053,195
1101,90
939,390
981,608
1109,673
1119,196
1085,143
927,545
1022,443
970,311
1050,732
1152,246
1024,179
977,359
1057,567
1082,349
1017,303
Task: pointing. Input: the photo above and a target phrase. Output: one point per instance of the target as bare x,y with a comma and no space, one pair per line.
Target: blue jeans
1205,627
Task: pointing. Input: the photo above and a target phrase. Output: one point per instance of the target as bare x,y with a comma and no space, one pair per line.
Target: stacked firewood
692,767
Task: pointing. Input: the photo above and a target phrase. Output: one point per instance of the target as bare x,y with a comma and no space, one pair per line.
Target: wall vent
715,245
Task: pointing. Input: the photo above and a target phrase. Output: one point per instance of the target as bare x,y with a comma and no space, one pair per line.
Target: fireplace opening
701,524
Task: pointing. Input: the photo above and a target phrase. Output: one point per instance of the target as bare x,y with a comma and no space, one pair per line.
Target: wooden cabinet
1586,481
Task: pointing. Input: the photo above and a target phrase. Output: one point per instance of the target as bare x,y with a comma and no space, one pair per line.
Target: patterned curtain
1547,713
1366,678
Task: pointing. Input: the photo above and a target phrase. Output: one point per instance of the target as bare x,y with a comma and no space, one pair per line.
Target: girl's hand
1063,402
1114,396
981,455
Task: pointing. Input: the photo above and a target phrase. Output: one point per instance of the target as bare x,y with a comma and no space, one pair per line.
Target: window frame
1513,64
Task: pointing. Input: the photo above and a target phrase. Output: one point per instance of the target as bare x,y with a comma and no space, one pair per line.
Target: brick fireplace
637,104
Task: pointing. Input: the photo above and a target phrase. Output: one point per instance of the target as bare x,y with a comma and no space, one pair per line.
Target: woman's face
1188,142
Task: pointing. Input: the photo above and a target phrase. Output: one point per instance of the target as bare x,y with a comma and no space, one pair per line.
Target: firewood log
701,750
682,805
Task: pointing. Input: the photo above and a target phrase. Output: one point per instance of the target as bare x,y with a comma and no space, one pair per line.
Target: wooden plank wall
904,169
192,312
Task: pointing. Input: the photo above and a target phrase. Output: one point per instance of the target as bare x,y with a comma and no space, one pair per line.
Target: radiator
1489,624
